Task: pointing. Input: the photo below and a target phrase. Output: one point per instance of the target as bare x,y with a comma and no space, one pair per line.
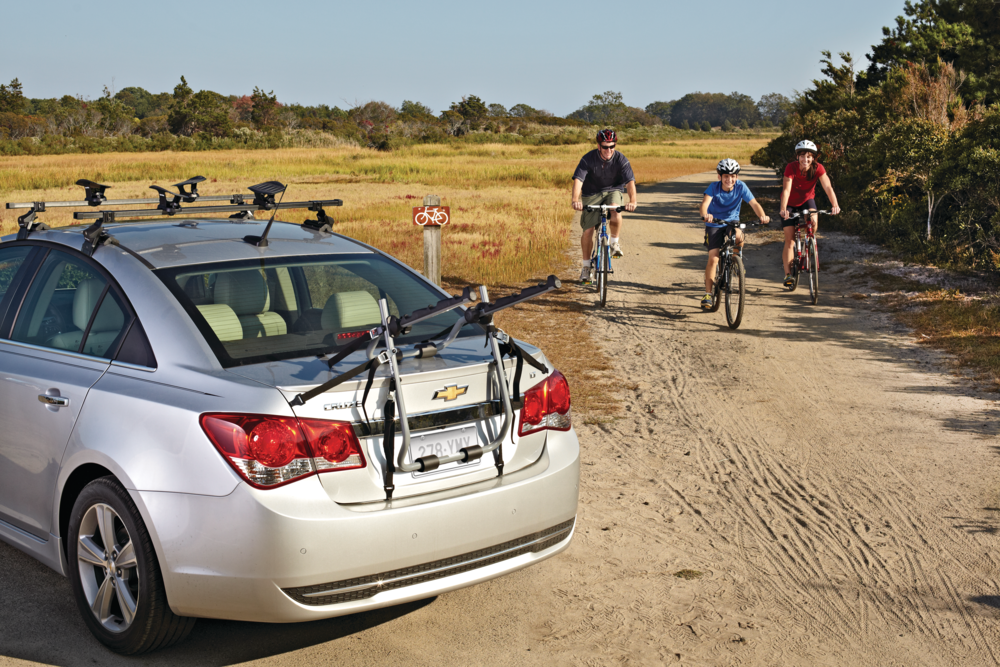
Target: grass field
510,203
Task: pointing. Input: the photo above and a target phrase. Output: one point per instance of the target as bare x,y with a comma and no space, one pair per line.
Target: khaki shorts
590,219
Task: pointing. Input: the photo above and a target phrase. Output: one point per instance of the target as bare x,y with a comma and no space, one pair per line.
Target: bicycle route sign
431,216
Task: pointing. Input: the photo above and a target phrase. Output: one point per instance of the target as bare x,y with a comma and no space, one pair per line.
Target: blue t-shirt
725,206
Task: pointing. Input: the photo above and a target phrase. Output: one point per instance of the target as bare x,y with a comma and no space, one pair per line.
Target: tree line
133,119
912,142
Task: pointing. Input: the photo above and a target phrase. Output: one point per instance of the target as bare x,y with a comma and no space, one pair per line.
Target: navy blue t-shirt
725,206
600,176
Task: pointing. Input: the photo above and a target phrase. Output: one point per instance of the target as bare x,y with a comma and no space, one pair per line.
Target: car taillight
268,451
546,406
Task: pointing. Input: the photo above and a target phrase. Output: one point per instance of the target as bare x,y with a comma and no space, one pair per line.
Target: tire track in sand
803,462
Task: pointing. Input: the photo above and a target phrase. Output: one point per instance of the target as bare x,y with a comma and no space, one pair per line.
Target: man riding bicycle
600,178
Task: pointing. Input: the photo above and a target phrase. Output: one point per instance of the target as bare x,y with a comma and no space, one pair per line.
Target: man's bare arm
633,199
577,192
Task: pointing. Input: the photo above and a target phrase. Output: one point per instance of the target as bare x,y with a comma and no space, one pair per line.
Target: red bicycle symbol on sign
430,216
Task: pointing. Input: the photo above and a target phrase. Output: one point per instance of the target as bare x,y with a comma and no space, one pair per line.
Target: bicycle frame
601,237
601,253
725,259
729,270
806,251
803,232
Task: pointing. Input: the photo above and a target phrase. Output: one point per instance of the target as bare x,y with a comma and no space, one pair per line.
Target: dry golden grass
968,328
510,203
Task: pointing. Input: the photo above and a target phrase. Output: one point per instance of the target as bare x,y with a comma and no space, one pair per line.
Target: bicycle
806,259
600,257
730,277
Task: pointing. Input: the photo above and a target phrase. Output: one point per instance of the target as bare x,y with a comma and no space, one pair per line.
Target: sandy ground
829,487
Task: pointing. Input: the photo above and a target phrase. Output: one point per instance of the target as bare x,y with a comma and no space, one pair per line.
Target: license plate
442,444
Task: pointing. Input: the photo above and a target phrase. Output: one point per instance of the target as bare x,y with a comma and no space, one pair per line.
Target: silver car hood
302,374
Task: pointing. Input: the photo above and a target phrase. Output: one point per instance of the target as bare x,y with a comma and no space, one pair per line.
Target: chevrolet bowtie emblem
451,392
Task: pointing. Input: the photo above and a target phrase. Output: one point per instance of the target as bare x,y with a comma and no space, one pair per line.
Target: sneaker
789,280
616,250
585,276
706,302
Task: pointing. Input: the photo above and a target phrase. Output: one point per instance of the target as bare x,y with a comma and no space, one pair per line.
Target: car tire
115,575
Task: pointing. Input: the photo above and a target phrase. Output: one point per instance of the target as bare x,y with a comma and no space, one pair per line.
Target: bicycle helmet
607,135
728,166
806,145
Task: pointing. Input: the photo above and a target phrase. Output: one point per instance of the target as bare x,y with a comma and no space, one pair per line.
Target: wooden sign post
432,216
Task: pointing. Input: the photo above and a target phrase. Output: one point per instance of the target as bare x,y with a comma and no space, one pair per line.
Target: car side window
64,305
10,261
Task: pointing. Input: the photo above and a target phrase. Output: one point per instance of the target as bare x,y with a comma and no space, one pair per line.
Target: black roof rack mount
170,203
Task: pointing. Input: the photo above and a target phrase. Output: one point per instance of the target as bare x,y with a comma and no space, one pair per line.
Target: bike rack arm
402,325
427,463
485,310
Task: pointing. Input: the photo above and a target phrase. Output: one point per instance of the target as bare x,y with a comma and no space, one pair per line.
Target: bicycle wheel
735,292
813,259
602,273
720,277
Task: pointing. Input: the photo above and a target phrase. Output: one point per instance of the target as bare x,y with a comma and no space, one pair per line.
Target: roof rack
169,204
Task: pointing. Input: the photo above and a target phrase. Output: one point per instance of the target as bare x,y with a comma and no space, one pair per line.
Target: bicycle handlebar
603,207
810,212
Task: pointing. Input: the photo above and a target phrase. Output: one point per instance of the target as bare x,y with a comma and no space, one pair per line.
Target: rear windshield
282,308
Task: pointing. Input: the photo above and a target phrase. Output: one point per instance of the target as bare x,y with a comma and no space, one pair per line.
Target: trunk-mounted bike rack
499,342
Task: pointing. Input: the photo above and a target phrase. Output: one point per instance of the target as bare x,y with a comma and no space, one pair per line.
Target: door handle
55,401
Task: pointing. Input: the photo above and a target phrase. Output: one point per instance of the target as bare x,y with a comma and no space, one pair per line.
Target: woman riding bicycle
721,205
798,192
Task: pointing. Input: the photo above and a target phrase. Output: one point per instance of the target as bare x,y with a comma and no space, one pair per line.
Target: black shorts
792,210
715,236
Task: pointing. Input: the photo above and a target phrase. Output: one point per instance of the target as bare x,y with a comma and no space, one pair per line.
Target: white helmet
806,145
728,166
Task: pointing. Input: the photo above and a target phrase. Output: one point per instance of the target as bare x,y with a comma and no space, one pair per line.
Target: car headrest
243,291
109,318
350,310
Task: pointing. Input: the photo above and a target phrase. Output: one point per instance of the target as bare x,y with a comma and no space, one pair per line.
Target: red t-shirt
803,189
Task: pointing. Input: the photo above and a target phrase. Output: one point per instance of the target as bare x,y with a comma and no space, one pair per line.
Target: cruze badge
451,392
341,406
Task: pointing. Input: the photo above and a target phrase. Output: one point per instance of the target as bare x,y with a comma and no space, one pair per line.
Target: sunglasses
607,148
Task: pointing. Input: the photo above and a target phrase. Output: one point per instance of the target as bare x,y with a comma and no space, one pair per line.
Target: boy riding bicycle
720,205
600,178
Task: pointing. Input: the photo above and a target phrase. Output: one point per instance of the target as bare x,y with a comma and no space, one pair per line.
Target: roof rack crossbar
169,204
202,210
95,196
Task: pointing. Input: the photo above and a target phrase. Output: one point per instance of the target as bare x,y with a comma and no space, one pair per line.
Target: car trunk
451,401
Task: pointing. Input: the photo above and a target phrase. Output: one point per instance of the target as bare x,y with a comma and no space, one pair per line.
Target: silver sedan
195,426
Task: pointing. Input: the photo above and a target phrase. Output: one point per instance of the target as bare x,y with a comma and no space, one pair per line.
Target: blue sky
552,56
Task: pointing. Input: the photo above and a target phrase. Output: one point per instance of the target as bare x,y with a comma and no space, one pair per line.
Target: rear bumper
291,554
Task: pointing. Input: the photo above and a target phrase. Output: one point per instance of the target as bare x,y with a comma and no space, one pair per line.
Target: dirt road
827,489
